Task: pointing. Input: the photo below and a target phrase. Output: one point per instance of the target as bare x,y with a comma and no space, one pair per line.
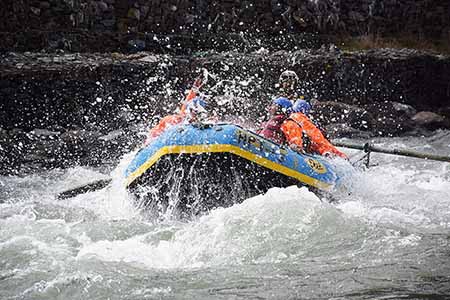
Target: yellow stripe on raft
230,149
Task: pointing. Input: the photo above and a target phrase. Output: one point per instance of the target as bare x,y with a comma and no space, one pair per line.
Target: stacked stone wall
430,18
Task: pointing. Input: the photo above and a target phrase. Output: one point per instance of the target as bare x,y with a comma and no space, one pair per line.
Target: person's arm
319,143
161,126
193,92
333,151
293,134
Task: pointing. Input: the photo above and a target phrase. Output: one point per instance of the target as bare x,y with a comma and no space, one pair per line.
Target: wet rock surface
108,91
29,152
63,109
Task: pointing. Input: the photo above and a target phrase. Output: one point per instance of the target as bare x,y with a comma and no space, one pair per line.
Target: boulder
430,120
404,109
390,118
330,112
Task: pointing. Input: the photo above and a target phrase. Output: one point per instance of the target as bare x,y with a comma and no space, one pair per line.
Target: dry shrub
372,41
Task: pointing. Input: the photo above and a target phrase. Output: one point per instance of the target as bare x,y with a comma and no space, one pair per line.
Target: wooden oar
90,187
410,153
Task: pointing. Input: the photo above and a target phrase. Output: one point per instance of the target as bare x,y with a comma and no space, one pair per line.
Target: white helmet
288,80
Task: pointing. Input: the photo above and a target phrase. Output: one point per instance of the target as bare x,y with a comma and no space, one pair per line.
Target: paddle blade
90,187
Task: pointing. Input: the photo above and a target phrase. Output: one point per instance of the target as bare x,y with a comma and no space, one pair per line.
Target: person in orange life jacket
288,84
193,92
176,118
278,127
316,141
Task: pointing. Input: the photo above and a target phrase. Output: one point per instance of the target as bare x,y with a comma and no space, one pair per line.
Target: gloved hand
297,148
331,155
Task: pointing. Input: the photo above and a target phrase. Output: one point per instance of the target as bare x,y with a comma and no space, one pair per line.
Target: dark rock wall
405,76
80,91
423,17
109,90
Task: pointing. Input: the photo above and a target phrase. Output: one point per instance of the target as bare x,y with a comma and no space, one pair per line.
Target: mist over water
387,237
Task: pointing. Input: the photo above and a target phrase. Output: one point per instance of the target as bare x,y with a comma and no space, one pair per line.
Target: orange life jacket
281,130
171,120
319,143
190,96
163,124
293,133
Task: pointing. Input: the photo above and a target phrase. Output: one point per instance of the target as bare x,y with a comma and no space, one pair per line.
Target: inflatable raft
191,169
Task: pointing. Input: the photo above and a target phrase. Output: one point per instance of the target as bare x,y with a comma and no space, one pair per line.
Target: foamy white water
386,238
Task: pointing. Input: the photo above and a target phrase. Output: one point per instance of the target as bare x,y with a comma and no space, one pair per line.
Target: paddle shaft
409,153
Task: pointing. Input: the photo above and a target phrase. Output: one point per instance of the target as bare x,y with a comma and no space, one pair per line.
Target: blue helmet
284,103
195,110
301,106
196,105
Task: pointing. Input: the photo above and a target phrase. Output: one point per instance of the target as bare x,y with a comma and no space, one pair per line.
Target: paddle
90,187
410,153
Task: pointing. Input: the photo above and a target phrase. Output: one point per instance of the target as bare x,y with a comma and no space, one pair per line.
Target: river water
387,238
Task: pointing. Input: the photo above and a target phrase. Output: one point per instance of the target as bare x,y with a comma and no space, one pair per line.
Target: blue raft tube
191,169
